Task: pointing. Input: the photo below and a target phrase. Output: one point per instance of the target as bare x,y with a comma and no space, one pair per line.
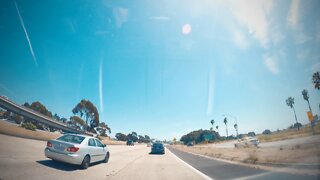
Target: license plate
59,147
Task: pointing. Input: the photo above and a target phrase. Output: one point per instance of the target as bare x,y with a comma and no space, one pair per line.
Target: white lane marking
194,169
255,176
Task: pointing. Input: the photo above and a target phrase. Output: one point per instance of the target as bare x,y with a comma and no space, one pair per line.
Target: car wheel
86,162
106,159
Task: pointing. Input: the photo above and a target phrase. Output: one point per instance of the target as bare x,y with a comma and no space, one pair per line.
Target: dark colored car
130,143
157,148
190,144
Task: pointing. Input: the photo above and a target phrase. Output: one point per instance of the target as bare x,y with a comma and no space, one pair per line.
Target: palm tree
316,80
236,127
306,97
225,121
290,103
212,122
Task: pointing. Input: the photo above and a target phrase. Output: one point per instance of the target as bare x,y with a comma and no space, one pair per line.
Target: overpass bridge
7,104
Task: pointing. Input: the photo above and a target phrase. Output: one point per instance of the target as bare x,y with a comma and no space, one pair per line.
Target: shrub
18,119
29,126
267,131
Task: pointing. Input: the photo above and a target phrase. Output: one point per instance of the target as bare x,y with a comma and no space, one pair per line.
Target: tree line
133,137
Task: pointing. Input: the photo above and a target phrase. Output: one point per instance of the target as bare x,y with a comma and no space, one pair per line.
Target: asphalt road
222,170
24,159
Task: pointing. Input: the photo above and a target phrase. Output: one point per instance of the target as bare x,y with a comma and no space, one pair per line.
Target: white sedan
247,142
77,149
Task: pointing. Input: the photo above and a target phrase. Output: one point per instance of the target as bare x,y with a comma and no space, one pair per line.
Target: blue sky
164,68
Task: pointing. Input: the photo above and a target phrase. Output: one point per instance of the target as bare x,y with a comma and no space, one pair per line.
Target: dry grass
252,158
108,141
308,153
13,130
289,134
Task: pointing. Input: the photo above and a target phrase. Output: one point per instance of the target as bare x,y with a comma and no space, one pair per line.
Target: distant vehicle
77,149
130,143
157,148
190,144
247,142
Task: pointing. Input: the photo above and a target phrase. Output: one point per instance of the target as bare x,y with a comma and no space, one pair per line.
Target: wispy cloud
293,15
272,64
253,17
160,18
100,85
26,33
293,21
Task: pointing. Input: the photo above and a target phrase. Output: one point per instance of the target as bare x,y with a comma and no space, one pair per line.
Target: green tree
133,136
236,128
147,139
290,103
199,136
267,131
212,123
316,80
306,97
26,104
141,138
217,127
103,128
37,106
225,121
78,122
88,111
121,137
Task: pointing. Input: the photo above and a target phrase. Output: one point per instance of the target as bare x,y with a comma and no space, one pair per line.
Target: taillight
72,149
49,144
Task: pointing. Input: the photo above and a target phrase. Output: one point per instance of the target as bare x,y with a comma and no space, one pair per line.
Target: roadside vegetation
133,137
272,155
85,118
289,133
293,131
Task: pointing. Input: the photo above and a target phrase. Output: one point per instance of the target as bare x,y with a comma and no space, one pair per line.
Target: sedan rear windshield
71,139
158,145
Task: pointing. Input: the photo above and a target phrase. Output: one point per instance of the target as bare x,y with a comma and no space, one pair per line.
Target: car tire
106,159
86,162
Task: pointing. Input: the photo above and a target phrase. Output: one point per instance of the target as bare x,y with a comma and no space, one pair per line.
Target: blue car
157,148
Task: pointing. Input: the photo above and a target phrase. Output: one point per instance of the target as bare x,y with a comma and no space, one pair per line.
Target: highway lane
223,170
24,159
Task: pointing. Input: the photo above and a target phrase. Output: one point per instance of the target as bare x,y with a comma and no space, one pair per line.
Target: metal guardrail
29,113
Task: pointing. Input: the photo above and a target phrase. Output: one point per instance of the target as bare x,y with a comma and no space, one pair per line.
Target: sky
164,68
